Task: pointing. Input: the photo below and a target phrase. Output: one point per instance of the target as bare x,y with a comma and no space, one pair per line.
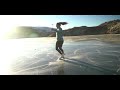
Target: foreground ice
37,56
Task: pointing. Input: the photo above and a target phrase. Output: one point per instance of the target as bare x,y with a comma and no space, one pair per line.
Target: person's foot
62,56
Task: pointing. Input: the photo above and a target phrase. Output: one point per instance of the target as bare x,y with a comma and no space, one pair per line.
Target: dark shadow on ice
101,69
60,70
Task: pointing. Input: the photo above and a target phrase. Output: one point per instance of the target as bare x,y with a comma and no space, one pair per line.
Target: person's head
58,25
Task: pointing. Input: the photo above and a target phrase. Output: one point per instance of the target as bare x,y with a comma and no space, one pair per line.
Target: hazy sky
48,20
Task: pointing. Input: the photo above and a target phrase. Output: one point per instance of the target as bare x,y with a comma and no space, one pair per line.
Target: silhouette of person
60,39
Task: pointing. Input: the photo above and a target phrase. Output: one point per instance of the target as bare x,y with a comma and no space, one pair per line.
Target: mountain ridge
110,27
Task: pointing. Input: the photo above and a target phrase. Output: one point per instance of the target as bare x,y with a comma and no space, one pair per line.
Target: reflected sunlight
12,49
8,52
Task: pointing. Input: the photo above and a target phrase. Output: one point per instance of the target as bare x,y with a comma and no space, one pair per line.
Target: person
60,39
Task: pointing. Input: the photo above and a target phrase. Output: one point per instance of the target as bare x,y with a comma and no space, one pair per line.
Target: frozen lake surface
37,56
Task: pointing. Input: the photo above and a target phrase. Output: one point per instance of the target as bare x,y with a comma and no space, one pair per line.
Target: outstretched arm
54,30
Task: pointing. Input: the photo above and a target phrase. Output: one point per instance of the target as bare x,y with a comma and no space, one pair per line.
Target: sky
8,21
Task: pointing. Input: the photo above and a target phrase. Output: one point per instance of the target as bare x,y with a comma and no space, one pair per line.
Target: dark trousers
59,46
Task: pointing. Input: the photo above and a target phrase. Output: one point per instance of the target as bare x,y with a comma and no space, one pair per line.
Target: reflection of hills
111,27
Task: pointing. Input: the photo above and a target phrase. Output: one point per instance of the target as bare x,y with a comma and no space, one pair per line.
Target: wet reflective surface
37,56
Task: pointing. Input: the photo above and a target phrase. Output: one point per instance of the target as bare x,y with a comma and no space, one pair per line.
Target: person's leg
57,45
60,46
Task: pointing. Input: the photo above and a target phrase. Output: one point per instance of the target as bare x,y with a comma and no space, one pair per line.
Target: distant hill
30,32
110,27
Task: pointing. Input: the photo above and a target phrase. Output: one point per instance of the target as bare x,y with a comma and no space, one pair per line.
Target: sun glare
6,26
4,30
9,50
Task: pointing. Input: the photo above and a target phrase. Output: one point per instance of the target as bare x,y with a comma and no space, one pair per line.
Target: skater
60,40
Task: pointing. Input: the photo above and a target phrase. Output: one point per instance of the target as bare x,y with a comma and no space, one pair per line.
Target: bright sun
6,25
5,29
9,22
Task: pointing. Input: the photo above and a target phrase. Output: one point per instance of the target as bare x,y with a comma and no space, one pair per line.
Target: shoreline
102,37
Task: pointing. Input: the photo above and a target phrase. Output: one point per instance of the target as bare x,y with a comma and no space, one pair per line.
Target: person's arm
54,30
